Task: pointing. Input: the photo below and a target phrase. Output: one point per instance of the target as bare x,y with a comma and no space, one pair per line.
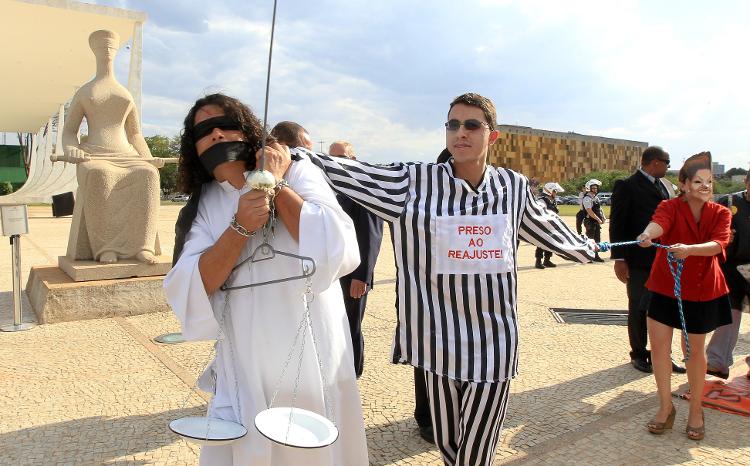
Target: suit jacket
634,201
369,229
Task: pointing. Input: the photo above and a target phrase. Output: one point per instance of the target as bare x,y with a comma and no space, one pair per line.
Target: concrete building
717,168
552,155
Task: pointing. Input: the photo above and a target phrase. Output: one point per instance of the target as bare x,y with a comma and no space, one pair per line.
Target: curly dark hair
191,173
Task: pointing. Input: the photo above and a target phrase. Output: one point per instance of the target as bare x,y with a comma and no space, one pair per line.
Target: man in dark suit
369,230
634,201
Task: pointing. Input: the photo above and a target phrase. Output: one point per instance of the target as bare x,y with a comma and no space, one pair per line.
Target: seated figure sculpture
117,202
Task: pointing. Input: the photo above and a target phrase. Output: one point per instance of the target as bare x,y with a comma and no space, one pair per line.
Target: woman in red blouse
698,231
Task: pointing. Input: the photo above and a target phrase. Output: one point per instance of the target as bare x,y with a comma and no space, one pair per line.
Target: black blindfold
206,127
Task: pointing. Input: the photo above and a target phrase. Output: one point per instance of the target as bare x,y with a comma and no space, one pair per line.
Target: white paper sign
15,220
470,244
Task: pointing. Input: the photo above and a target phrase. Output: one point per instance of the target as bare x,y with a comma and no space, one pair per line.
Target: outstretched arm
546,229
381,189
652,231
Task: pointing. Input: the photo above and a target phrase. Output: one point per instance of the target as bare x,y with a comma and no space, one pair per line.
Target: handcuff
235,225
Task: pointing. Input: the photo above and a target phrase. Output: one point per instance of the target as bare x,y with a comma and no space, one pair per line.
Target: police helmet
593,182
552,187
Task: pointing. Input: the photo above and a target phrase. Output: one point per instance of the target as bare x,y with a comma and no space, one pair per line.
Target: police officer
549,194
594,216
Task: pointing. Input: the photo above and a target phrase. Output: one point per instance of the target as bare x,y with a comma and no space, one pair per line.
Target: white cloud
381,75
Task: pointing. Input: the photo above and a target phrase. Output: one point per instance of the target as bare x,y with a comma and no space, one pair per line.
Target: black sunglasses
664,160
470,125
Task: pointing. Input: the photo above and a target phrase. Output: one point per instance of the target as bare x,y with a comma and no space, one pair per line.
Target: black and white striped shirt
460,325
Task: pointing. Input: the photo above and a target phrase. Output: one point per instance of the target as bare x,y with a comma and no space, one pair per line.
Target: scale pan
307,429
207,431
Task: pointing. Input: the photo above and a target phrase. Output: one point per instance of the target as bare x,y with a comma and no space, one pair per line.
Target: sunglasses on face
666,161
469,125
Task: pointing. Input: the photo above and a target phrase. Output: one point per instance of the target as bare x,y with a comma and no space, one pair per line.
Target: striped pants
467,418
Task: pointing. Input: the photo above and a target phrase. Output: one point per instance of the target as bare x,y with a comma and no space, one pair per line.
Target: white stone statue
117,202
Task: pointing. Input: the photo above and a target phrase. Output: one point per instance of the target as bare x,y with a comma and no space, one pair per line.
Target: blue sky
381,74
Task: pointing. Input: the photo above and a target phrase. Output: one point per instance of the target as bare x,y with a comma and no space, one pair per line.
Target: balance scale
289,425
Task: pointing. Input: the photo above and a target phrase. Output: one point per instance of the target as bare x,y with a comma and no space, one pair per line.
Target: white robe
262,322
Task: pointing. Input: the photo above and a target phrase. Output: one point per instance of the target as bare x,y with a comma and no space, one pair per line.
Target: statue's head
201,123
105,43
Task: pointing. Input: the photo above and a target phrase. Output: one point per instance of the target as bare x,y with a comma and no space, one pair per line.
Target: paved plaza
101,392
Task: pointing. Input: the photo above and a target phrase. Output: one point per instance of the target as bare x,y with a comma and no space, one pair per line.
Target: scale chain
295,390
300,328
220,339
227,338
324,381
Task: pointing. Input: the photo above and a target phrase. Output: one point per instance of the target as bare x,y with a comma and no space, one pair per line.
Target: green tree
607,177
165,147
735,171
726,186
5,188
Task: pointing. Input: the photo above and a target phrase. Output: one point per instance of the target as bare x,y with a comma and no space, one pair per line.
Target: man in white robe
260,323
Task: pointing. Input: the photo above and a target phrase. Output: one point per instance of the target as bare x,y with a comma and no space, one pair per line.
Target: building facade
717,168
557,156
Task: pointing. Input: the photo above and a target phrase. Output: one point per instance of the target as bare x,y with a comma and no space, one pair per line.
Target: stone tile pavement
101,392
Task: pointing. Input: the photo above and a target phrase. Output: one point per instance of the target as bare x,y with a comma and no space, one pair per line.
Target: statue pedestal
56,297
84,271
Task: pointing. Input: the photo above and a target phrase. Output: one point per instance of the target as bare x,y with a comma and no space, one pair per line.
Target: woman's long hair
191,173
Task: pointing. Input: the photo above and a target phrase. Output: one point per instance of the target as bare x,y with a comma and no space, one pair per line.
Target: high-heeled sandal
658,428
696,433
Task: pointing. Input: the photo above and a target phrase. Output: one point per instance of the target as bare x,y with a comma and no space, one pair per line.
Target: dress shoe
548,263
598,259
539,264
427,433
717,373
642,365
678,369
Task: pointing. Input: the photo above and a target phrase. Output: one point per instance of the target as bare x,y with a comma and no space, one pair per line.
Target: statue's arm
136,139
70,130
133,132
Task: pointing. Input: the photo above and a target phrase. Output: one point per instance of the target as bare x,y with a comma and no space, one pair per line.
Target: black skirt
700,316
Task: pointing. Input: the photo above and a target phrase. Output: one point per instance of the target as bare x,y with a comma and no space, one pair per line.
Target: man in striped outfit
456,227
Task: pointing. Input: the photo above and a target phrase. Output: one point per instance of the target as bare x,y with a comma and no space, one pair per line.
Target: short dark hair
475,100
694,163
653,153
191,173
289,133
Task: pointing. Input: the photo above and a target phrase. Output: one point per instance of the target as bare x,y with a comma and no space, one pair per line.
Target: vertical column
136,66
60,126
18,323
48,139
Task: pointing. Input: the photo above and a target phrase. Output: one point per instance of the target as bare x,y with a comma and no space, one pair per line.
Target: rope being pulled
675,267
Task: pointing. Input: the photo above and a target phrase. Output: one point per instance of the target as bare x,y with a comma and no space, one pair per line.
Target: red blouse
702,279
